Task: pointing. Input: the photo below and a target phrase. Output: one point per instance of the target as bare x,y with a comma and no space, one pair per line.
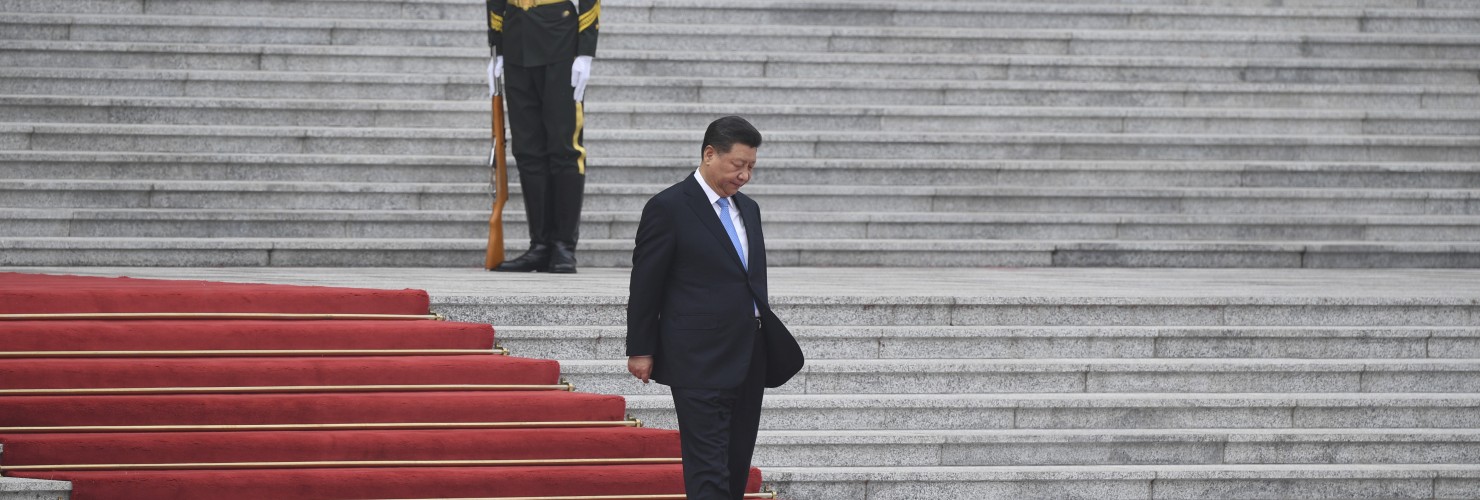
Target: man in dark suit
699,318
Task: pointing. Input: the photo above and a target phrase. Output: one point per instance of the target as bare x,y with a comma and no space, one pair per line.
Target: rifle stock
495,254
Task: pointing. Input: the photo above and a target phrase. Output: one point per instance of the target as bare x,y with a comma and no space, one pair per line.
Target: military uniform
539,40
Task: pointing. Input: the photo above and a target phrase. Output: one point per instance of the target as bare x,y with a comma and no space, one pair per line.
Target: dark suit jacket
691,299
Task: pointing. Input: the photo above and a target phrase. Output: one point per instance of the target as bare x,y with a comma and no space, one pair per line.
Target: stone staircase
1217,390
1221,133
1105,384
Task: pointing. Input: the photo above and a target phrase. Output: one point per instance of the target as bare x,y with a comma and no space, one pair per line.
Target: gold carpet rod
318,427
343,464
283,389
221,315
675,496
250,353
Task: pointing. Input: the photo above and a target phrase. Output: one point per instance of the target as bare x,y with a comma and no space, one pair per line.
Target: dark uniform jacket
692,304
540,32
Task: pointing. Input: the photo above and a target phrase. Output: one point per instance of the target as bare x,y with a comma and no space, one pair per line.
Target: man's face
727,172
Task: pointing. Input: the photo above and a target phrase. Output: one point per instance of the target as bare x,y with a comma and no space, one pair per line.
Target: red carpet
186,335
333,484
41,293
197,372
309,375
29,411
456,444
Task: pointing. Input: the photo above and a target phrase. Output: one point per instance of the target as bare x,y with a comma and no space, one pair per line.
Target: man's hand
641,367
580,72
495,71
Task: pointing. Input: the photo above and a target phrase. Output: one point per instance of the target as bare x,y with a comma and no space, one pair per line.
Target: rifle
497,159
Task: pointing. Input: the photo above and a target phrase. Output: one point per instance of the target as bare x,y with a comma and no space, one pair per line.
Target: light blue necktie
724,218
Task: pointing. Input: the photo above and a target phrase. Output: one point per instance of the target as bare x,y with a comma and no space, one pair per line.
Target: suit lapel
699,203
750,214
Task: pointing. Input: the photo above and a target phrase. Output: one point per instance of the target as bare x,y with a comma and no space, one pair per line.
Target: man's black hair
723,133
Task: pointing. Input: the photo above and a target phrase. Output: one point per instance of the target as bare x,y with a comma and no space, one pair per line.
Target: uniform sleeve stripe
589,17
495,21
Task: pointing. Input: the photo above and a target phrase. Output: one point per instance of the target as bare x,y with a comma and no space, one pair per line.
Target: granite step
776,198
1160,376
787,144
351,9
1001,448
915,253
1148,482
110,82
1333,10
685,116
471,61
228,167
1098,411
1107,15
917,40
1386,15
443,224
16,488
943,308
765,38
572,343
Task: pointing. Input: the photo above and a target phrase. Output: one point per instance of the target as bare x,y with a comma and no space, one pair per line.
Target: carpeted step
42,294
376,445
258,409
380,483
192,335
250,372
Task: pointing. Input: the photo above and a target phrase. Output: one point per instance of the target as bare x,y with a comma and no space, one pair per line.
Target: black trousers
547,127
717,428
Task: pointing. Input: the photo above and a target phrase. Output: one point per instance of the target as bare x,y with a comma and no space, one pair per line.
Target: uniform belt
530,4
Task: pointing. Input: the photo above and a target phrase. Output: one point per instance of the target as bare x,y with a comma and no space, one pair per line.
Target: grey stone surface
1207,286
1116,482
1455,488
955,135
951,376
15,488
330,252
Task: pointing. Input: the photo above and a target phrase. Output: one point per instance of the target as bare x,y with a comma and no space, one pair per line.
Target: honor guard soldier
543,50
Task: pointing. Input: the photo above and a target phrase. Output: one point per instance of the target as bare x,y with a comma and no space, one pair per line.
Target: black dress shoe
537,258
563,258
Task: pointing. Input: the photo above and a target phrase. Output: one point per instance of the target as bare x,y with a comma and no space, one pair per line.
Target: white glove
580,72
495,71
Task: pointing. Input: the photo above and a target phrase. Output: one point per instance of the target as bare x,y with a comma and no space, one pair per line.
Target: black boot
567,192
536,259
536,191
563,258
